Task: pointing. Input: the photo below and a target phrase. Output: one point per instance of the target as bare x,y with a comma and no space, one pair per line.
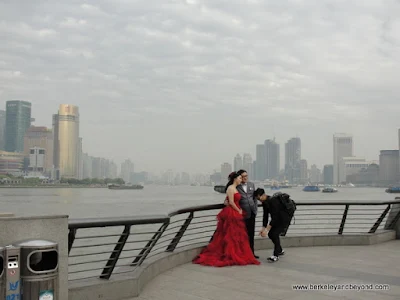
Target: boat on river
329,190
394,189
311,188
219,189
125,187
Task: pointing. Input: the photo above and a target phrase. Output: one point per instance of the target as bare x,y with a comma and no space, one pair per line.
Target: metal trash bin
39,270
2,276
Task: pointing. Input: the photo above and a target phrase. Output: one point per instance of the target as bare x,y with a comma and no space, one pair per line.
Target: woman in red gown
230,244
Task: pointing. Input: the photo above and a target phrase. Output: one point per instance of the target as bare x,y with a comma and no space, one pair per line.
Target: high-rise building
260,168
87,166
303,172
18,120
272,158
328,174
2,128
237,162
185,178
315,174
56,145
292,159
40,137
226,169
127,169
248,165
388,166
66,140
113,170
96,167
342,147
79,160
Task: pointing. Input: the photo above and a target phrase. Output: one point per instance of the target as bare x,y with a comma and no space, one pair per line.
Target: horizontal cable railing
100,248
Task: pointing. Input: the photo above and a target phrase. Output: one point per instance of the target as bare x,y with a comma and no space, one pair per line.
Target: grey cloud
198,67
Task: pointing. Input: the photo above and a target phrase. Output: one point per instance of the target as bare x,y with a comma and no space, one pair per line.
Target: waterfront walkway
373,264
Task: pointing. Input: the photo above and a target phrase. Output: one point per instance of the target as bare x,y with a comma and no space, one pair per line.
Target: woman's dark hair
231,178
258,192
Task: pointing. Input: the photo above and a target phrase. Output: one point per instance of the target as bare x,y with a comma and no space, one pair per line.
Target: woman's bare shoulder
230,188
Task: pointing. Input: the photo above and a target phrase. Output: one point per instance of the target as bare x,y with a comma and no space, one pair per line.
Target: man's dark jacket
273,206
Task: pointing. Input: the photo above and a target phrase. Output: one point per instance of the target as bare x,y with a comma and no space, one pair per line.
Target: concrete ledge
132,283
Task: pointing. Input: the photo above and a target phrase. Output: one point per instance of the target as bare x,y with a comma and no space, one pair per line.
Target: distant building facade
388,166
292,160
11,163
237,162
40,137
342,147
226,169
37,160
2,129
66,140
18,120
272,157
328,174
127,169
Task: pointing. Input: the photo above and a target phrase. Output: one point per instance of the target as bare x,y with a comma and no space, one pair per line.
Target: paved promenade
374,264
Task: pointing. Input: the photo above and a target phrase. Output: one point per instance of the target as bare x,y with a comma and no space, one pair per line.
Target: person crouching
272,206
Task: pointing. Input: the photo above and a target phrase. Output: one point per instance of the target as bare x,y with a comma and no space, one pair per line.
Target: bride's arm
230,192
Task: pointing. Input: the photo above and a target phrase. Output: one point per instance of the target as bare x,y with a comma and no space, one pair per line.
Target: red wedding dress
230,244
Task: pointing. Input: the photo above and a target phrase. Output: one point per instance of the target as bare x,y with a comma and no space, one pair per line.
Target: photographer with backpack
281,208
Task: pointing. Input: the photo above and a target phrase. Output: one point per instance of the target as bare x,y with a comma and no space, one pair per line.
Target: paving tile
317,265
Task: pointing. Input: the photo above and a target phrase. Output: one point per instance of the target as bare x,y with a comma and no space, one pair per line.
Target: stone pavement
373,264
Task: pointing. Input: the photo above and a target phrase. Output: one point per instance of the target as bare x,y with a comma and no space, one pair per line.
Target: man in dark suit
249,206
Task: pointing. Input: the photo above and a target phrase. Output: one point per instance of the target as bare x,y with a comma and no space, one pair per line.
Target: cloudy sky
187,84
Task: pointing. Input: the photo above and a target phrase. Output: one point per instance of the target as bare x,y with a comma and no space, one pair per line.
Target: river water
152,200
88,257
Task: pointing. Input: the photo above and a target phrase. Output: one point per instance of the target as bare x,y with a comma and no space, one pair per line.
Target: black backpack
288,204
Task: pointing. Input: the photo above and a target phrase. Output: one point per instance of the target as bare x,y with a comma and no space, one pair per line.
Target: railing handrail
154,219
116,221
181,230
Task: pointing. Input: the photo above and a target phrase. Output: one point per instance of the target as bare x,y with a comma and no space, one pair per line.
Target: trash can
2,277
39,270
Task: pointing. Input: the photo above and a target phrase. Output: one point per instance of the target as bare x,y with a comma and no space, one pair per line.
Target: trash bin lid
36,244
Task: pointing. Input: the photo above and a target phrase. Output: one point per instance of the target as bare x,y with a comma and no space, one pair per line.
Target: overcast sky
188,84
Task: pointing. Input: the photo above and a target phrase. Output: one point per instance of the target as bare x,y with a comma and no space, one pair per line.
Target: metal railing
100,248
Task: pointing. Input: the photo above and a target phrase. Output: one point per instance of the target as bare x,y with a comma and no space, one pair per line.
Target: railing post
393,218
112,261
71,239
346,210
149,246
171,247
379,221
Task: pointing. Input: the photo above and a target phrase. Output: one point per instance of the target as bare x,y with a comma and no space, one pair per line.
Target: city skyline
189,87
37,142
281,163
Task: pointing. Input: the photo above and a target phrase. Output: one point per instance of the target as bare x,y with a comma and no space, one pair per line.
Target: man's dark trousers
274,234
250,225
